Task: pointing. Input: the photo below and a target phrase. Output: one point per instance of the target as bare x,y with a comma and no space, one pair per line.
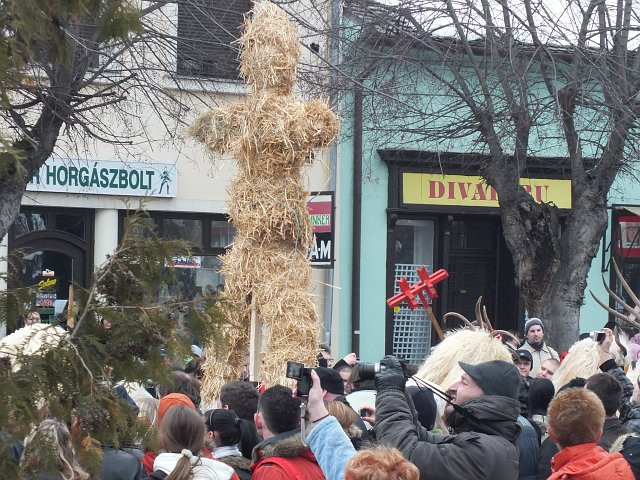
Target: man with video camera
482,412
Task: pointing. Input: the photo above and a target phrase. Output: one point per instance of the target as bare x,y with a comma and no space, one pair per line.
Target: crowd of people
500,421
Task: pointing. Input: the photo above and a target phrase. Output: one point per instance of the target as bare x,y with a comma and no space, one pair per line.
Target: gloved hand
390,362
391,377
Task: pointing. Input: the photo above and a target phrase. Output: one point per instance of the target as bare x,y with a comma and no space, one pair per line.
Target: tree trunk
555,289
24,159
11,191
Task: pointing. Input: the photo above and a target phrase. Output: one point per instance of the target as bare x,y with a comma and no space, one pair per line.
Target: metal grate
411,329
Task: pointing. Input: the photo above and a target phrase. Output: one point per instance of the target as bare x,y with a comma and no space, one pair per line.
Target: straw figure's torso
272,136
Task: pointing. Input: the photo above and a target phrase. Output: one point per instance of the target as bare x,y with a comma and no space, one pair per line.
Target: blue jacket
331,447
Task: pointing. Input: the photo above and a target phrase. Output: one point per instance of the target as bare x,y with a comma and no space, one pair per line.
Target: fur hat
531,322
576,416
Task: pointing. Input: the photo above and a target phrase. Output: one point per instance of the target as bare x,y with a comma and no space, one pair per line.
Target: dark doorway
481,265
55,247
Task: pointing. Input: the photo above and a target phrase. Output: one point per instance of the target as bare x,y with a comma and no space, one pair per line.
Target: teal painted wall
382,130
626,190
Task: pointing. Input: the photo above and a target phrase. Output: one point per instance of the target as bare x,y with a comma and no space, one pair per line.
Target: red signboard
629,231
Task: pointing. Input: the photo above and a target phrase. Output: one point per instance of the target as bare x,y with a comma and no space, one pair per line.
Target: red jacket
285,458
589,462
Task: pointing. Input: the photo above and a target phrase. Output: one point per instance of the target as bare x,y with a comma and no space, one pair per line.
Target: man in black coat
483,415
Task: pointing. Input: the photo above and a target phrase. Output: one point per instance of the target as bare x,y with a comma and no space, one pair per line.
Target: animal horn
504,333
616,337
459,316
614,312
626,286
626,306
486,318
479,314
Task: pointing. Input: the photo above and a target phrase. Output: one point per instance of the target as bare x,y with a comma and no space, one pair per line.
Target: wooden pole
255,345
434,321
71,318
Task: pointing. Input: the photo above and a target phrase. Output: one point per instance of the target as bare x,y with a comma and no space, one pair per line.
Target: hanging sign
184,262
321,211
629,245
463,190
105,177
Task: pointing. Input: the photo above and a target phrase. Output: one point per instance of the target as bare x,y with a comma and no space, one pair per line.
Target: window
29,222
72,224
206,30
222,234
182,229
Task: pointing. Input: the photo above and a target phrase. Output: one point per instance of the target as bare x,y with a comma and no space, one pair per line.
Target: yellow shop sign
462,190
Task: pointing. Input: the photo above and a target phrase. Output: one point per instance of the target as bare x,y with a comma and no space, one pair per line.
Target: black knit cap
495,377
330,380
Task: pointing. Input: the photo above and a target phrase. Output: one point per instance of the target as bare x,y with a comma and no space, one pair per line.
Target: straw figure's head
270,49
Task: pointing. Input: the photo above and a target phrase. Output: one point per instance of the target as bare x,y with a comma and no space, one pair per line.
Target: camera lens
367,371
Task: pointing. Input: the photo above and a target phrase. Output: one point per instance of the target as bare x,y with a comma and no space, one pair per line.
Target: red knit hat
169,401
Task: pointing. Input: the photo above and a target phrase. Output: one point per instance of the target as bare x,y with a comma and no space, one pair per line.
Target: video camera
367,371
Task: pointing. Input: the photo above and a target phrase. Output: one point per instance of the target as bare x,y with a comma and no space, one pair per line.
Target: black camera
302,374
367,371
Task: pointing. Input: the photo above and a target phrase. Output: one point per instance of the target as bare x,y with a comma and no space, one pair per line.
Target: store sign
185,262
320,207
462,190
105,177
629,231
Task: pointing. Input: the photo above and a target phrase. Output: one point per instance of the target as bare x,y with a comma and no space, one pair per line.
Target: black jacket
483,447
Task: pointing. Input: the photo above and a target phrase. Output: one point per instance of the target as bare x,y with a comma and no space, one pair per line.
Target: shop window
183,229
206,32
412,248
28,222
71,224
197,278
222,234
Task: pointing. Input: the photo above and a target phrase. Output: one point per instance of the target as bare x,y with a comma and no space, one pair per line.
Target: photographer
483,413
328,442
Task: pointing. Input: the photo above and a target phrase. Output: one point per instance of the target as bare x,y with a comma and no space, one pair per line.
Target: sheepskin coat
482,449
287,445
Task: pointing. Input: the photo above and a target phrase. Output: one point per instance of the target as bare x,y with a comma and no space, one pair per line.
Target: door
470,278
480,265
55,251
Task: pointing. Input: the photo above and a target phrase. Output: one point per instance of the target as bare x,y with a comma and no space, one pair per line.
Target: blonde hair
380,463
148,409
345,415
52,436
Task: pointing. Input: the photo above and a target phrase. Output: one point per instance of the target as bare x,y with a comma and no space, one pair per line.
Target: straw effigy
272,137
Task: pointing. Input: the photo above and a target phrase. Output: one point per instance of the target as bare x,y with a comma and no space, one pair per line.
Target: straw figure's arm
322,125
217,128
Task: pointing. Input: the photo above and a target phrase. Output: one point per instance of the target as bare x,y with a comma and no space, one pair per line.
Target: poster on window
629,242
321,211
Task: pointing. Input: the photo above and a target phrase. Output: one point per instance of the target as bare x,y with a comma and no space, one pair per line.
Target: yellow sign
437,189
